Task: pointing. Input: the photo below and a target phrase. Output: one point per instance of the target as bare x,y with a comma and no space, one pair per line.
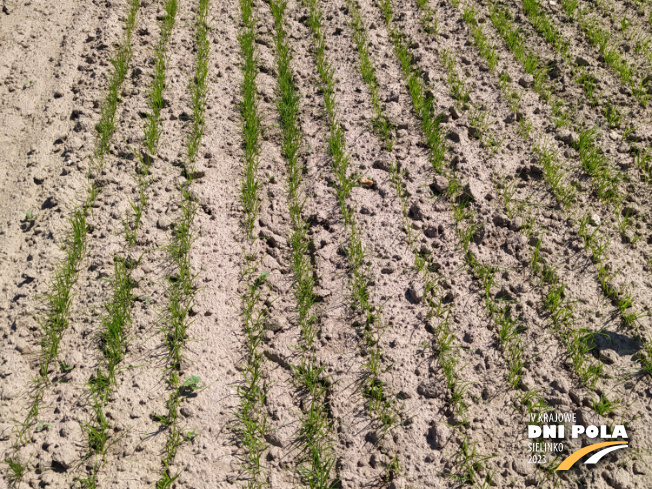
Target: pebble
275,324
608,356
440,184
416,291
517,223
397,484
428,390
581,61
502,220
372,437
163,223
438,435
65,455
526,81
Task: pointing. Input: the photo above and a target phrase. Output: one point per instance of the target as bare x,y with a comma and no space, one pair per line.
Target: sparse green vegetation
60,296
316,430
391,209
106,126
156,100
181,283
250,418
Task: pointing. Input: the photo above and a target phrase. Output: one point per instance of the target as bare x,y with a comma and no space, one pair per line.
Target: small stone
475,190
397,484
187,411
456,420
608,356
517,223
277,357
440,184
428,390
415,292
274,454
276,241
623,148
21,346
65,455
526,81
581,61
639,468
438,435
381,165
488,392
163,223
473,132
416,212
595,219
567,137
275,439
274,324
372,437
453,136
521,466
502,220
69,429
373,461
430,231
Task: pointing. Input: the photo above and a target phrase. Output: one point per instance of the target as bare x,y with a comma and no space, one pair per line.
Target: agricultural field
325,244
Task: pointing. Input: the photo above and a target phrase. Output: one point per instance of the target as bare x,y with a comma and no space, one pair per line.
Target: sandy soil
53,70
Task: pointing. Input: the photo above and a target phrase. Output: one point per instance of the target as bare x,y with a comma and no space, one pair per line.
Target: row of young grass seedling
59,299
438,308
578,341
472,468
113,338
251,420
593,238
594,163
607,46
381,403
606,178
498,310
156,100
181,282
554,299
597,36
614,117
316,431
632,31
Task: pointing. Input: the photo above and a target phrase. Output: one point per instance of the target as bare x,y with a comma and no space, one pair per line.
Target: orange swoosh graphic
574,457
